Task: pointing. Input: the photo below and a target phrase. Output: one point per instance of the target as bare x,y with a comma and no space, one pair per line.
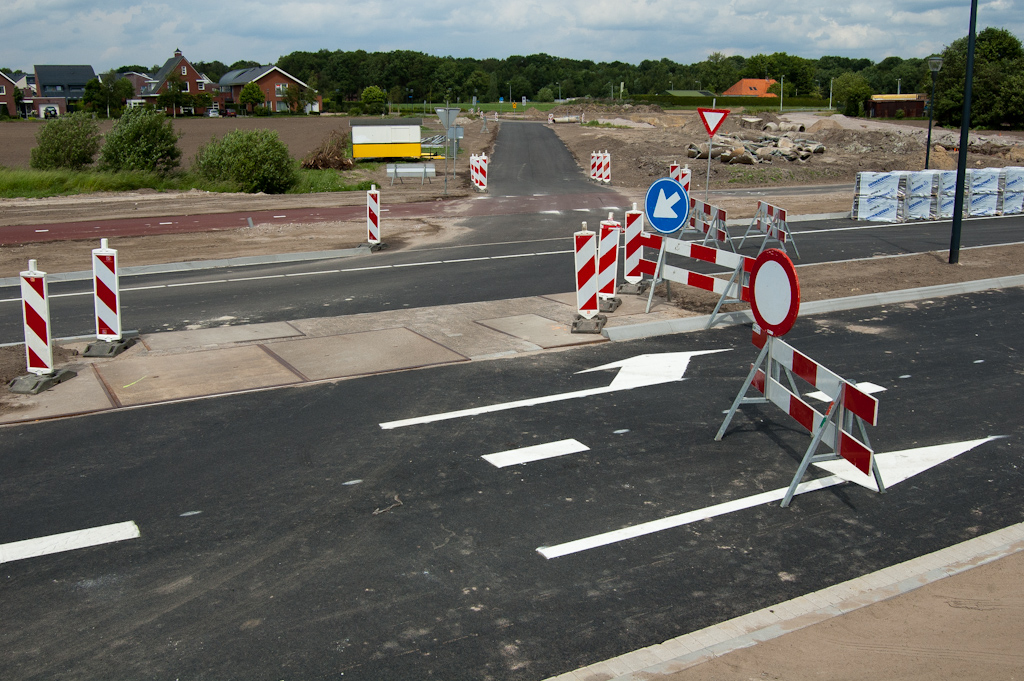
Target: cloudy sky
116,32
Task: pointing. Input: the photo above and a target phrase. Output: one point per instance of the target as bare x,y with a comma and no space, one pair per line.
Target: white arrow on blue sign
667,205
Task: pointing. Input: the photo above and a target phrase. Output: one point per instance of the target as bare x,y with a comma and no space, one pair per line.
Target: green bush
256,160
900,114
70,141
141,140
373,99
262,111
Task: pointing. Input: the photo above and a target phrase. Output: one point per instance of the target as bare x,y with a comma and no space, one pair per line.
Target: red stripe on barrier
647,267
106,296
590,304
34,362
586,273
701,281
104,329
108,261
759,339
861,404
802,413
37,285
704,253
35,322
758,381
373,216
805,368
650,240
856,453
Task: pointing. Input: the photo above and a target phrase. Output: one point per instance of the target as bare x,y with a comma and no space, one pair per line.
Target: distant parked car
228,113
212,113
49,112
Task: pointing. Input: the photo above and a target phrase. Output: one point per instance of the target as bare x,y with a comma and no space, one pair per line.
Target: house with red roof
751,87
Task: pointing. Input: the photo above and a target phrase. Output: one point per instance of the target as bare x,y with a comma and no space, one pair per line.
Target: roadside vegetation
141,152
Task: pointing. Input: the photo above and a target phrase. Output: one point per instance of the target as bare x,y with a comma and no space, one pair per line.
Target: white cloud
118,32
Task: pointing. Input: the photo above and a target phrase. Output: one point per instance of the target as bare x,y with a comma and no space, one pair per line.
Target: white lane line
551,212
166,223
683,518
476,411
266,276
69,295
198,283
39,231
280,216
143,288
363,269
514,255
468,259
307,274
68,541
513,457
581,210
418,264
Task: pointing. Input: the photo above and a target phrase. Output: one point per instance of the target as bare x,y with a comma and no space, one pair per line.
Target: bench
424,171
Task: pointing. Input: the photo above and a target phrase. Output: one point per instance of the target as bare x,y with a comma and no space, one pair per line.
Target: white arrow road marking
895,467
68,541
663,207
548,450
635,372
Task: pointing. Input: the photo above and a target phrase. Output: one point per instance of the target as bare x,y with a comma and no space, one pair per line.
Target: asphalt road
286,535
517,243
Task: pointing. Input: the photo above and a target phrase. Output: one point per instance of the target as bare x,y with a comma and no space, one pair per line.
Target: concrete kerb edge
906,577
689,324
192,265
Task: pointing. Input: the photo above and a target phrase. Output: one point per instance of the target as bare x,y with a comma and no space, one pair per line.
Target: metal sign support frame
837,416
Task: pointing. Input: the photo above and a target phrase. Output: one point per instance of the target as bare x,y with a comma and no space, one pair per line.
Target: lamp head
934,64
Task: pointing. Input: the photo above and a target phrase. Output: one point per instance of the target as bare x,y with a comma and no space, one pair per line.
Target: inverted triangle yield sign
712,119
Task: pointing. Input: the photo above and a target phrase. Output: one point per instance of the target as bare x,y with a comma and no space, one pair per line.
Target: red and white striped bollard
585,250
36,312
373,218
608,264
106,293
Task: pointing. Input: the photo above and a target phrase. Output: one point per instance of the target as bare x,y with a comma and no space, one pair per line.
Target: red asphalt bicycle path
473,206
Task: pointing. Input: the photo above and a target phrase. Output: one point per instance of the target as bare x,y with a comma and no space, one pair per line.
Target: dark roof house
272,80
181,68
65,81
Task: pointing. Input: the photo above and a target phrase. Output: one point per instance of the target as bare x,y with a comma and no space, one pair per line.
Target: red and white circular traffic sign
775,292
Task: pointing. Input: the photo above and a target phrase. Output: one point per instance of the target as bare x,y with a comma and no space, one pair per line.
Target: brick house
57,85
192,82
7,88
272,81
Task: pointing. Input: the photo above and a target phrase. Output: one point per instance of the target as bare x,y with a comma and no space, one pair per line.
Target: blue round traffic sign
667,205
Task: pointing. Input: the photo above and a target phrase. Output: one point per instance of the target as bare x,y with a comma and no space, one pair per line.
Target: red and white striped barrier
106,293
585,250
849,406
608,264
594,165
481,166
735,289
601,166
606,172
36,312
770,221
680,175
710,221
373,215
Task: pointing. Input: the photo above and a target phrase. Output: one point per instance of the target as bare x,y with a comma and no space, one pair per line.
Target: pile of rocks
748,147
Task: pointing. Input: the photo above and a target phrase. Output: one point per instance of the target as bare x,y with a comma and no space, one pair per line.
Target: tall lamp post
934,64
965,132
782,92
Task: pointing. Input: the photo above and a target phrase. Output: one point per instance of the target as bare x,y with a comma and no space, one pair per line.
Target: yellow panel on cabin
386,150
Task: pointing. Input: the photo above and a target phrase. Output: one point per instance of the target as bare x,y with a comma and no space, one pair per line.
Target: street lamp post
965,138
830,81
934,64
898,81
559,91
782,92
698,85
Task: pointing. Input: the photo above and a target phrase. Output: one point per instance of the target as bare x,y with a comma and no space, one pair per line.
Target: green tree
998,60
173,95
70,141
251,96
545,94
297,97
142,139
852,90
108,92
477,85
717,73
373,99
255,160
